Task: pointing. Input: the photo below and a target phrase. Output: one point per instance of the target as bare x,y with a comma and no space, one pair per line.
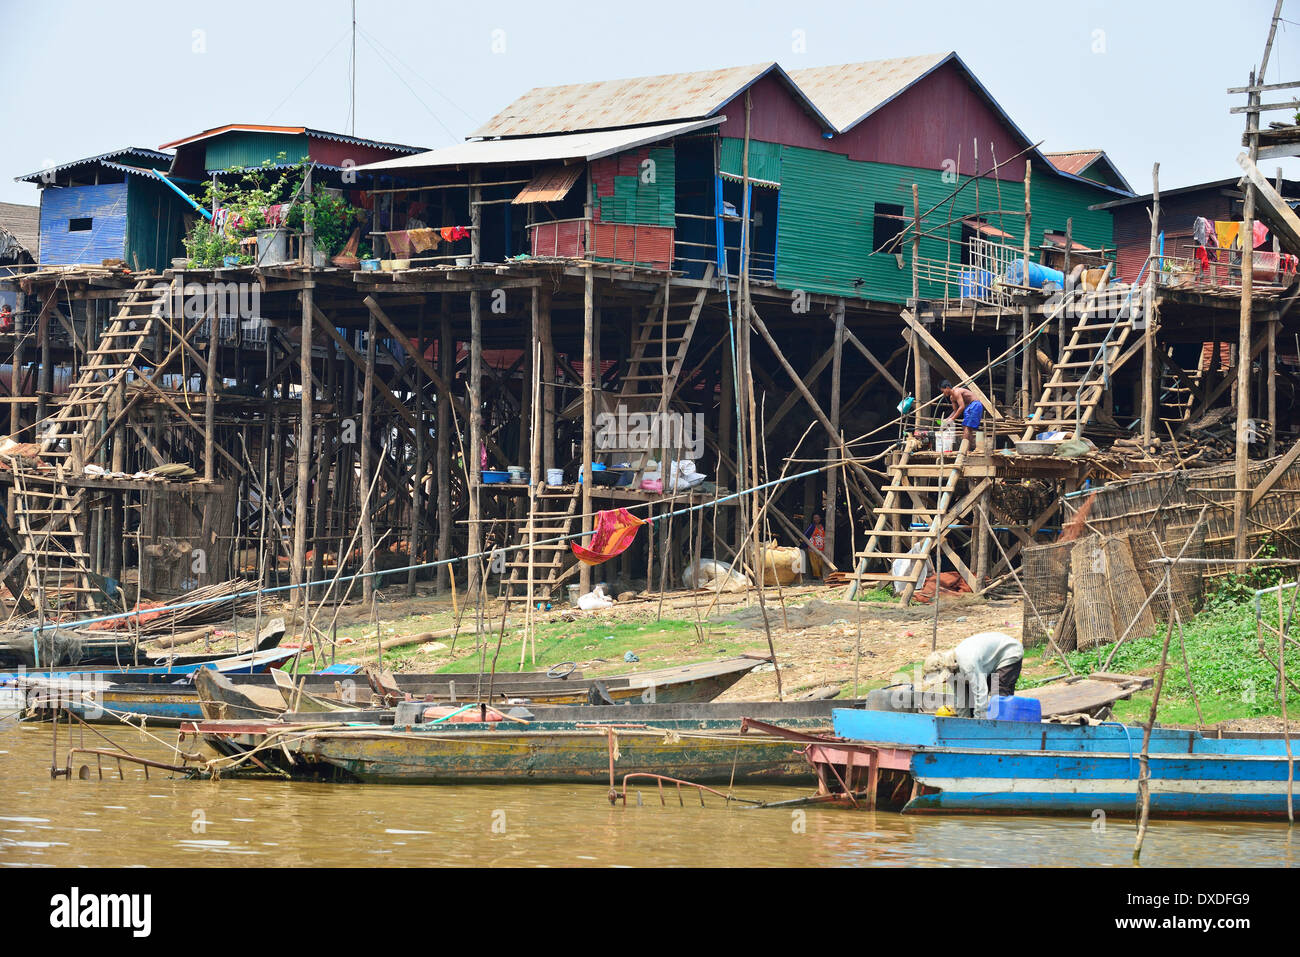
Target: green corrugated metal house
833,155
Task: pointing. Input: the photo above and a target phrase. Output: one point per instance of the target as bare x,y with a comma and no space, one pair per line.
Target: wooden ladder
907,504
48,517
554,518
1177,399
1070,399
660,341
103,375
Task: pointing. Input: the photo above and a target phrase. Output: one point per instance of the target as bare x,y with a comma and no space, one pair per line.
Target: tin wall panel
105,206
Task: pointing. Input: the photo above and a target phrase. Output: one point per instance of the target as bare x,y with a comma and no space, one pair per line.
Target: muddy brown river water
164,822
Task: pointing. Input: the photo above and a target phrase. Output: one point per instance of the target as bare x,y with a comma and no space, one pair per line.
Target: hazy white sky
1144,80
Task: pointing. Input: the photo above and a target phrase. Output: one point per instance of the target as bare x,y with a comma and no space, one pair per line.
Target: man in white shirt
987,664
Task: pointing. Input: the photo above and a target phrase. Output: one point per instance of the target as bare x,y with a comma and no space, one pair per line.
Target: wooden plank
1072,697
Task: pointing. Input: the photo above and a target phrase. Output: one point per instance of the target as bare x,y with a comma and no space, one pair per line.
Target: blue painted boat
965,765
152,693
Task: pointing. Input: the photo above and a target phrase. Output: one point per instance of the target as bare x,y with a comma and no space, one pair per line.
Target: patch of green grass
882,593
1231,677
557,642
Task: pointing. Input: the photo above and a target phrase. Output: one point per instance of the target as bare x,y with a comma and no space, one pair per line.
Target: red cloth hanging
615,530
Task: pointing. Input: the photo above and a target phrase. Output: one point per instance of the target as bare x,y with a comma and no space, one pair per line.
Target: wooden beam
1272,206
443,385
1269,480
792,399
953,368
808,396
363,364
870,357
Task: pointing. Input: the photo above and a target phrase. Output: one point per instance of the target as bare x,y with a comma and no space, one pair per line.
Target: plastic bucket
555,476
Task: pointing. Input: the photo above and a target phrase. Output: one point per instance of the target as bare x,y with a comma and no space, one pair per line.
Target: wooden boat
699,742
925,763
247,698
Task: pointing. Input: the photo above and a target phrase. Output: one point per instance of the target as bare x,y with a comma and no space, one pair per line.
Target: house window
887,228
79,225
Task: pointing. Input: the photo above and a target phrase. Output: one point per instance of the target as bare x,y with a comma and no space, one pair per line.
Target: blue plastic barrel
1015,708
1038,275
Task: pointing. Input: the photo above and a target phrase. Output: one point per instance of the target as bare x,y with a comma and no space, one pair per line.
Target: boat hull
1065,783
555,756
1012,767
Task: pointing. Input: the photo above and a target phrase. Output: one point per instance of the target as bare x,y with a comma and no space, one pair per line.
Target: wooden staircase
556,516
655,366
919,493
1070,399
103,375
48,517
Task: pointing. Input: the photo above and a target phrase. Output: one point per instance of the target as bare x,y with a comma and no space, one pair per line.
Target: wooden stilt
588,412
367,466
446,347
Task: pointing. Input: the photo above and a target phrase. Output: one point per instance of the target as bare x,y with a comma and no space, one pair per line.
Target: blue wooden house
117,205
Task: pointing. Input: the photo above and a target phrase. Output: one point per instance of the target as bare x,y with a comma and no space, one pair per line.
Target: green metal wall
764,159
1054,200
155,225
828,206
635,201
251,149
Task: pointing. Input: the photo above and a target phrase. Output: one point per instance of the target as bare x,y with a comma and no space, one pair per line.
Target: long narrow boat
138,695
925,763
260,698
700,742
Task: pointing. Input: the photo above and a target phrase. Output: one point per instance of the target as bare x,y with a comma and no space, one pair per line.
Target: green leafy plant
332,219
207,246
244,198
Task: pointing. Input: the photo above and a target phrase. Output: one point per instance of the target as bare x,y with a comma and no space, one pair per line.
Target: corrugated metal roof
289,130
850,92
1074,161
24,222
539,149
638,101
550,185
115,154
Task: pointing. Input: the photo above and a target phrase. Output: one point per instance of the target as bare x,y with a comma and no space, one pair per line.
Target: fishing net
1046,575
1092,609
1127,595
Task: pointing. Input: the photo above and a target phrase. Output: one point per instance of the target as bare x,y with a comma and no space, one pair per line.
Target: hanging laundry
399,243
277,214
615,531
1261,234
422,240
446,233
1226,233
1203,232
